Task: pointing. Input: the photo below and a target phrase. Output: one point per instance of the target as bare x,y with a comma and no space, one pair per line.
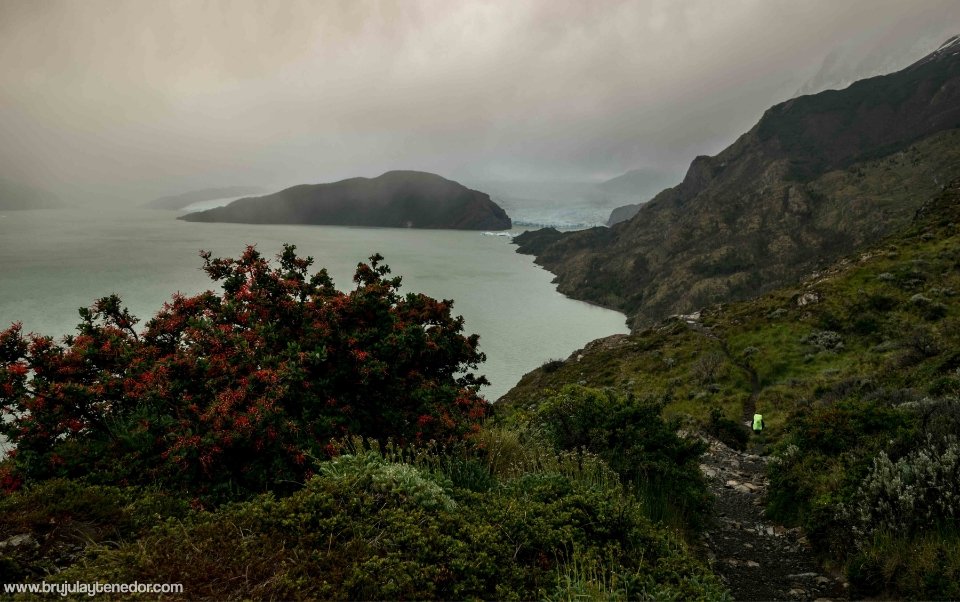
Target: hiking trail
758,560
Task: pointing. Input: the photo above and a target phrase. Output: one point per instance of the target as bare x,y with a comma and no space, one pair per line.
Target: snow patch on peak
949,48
952,42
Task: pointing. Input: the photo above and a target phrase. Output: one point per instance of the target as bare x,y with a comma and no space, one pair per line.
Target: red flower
17,369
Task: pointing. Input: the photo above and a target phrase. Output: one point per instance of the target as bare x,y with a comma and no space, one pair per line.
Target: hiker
757,423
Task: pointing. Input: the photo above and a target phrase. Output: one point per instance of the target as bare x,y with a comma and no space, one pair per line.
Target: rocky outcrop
818,177
396,199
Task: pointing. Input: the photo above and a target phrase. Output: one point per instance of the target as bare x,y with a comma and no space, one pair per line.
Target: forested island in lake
396,199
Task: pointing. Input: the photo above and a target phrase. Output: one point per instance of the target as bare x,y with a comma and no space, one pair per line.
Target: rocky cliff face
817,177
396,199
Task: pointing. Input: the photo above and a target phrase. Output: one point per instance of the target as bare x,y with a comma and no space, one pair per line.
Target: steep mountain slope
817,177
396,199
855,361
768,348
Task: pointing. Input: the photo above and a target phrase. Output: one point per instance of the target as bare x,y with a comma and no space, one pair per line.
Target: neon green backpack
757,422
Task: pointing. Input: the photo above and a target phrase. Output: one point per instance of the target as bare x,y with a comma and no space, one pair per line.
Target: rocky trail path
758,560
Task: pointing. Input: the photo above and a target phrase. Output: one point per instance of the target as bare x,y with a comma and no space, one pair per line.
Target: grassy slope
842,366
870,301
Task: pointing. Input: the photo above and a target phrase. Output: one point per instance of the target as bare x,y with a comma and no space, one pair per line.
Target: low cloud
123,101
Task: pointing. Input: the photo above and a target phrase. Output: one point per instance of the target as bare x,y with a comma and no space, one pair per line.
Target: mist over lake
54,261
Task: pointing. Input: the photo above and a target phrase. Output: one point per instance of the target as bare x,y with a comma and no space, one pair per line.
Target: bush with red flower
242,391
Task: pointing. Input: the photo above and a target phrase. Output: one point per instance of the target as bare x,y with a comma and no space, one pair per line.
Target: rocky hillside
396,199
817,177
856,371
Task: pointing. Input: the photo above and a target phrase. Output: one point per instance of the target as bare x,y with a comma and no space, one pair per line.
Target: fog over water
145,256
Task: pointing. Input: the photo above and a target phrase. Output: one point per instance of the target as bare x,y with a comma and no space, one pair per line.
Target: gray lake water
55,261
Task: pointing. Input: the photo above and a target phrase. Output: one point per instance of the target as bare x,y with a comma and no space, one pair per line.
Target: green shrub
826,340
363,528
870,496
729,431
60,518
232,394
631,436
923,567
918,492
824,458
371,471
551,366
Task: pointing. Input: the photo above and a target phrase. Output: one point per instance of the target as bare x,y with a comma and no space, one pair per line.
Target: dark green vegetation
372,524
226,395
857,373
396,199
284,440
179,201
817,178
15,195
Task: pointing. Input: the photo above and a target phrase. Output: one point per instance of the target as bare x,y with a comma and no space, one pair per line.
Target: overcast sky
131,99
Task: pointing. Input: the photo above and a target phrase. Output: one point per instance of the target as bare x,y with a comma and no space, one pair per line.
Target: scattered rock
807,299
802,576
759,561
24,539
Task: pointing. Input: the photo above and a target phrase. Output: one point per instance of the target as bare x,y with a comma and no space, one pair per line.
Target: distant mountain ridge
855,60
179,201
396,199
640,182
642,185
817,177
